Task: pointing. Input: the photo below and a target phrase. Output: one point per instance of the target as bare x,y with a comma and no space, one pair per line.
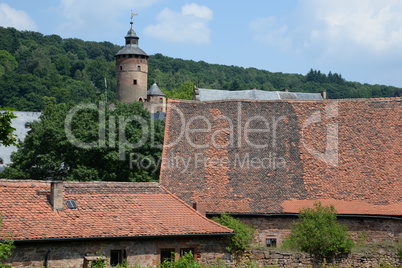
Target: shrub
243,233
186,261
318,233
6,246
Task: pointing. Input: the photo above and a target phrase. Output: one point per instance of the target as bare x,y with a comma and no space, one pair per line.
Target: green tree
116,142
6,246
184,92
7,137
243,237
318,233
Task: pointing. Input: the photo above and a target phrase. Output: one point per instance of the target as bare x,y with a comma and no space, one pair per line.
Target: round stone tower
131,70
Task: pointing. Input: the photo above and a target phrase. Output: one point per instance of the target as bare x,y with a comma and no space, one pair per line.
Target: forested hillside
36,70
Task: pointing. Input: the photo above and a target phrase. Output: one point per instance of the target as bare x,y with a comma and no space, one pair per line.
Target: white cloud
337,28
88,16
10,17
188,26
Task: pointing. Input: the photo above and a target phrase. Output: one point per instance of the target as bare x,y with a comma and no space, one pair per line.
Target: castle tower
131,70
156,100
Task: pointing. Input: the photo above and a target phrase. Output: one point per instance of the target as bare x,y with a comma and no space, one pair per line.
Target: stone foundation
143,252
291,259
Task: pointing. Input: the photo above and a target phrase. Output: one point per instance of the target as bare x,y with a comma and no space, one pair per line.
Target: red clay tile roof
266,157
105,209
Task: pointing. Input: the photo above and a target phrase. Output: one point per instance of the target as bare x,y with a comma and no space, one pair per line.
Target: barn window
167,254
116,257
270,242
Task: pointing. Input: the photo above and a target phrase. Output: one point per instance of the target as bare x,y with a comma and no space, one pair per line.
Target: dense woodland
37,70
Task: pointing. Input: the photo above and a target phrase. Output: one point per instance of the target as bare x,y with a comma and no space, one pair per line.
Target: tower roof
131,46
155,91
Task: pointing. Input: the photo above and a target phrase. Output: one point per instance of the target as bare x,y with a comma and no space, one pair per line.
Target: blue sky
360,39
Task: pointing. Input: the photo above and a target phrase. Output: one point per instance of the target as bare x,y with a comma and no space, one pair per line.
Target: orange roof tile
105,209
278,156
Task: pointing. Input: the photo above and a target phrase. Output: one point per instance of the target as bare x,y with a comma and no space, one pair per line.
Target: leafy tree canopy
317,232
110,142
36,70
7,137
243,237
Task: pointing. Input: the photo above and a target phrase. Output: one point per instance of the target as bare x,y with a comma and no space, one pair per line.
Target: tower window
135,81
160,100
138,68
121,68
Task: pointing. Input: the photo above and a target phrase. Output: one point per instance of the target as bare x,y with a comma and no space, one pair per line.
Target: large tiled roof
105,209
274,157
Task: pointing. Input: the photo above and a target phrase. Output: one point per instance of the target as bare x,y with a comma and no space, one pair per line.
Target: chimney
323,94
56,195
201,208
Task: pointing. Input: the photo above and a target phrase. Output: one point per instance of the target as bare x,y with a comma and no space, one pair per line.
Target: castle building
132,76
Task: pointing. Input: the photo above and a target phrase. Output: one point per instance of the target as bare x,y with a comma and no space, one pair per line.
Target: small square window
270,242
135,81
138,68
167,255
116,257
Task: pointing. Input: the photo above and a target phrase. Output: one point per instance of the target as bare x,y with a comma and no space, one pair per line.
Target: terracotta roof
279,156
105,209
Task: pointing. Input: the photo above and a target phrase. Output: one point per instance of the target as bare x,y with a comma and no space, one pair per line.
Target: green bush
317,232
186,261
243,233
6,246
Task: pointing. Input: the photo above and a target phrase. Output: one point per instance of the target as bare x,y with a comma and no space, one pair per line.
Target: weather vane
132,16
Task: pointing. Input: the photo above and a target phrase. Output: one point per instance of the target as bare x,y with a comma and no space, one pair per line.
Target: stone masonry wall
291,259
371,229
144,252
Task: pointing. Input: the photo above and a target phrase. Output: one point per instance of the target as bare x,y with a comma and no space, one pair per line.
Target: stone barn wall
144,252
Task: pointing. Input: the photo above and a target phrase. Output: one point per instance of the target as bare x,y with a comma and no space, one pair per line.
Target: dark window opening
116,257
135,81
141,99
71,204
167,255
121,68
130,55
270,242
138,68
1,161
160,100
28,125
